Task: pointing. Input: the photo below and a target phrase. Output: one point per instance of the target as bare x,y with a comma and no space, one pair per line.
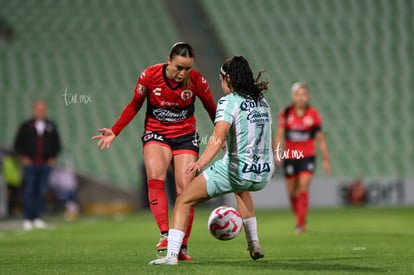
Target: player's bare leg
182,180
246,209
157,158
194,194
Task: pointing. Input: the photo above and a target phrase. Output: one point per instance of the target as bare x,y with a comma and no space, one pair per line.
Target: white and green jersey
249,142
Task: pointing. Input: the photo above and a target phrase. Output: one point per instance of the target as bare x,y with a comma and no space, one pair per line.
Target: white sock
250,228
175,239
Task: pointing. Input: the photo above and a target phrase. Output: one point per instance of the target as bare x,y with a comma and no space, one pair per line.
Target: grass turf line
340,241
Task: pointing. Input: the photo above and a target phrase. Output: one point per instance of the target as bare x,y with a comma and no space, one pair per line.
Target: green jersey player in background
243,121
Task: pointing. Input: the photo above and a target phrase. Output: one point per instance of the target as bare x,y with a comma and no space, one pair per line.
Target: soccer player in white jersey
243,121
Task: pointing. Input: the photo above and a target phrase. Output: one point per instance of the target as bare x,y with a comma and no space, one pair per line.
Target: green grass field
369,240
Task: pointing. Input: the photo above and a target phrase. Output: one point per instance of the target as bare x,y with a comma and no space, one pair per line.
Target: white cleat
27,225
39,224
256,251
169,260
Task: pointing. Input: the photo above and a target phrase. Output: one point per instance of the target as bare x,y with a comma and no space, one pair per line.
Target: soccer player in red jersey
170,135
244,124
298,127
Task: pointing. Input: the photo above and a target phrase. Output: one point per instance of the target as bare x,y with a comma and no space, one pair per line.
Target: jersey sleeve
204,93
129,112
269,110
142,87
282,120
318,121
224,111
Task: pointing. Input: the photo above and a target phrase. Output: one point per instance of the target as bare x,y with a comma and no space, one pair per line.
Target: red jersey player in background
170,135
298,127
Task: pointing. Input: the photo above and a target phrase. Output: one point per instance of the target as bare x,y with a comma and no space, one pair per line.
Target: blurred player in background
298,127
38,144
243,117
170,135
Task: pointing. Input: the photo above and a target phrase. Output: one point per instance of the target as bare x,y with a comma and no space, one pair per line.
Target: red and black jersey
300,131
170,109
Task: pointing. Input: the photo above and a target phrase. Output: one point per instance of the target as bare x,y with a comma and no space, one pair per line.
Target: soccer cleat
256,251
300,229
184,255
169,260
39,224
27,225
163,243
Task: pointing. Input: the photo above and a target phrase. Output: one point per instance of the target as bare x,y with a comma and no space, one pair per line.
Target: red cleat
162,245
300,229
184,256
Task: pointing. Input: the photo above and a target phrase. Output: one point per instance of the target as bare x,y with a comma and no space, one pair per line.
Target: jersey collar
164,75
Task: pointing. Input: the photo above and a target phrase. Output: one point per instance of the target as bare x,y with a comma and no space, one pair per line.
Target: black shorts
292,168
185,144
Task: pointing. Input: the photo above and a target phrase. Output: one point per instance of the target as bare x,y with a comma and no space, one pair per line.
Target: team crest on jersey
141,89
308,121
186,94
289,120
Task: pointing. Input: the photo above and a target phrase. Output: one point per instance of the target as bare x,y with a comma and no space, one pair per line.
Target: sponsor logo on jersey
256,116
298,135
186,94
247,105
167,103
251,151
157,91
153,136
290,169
165,115
256,168
219,112
196,140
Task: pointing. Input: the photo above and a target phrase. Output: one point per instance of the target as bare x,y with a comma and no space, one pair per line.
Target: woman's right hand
193,167
106,137
277,159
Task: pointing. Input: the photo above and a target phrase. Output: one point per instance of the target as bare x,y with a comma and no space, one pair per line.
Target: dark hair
181,49
241,78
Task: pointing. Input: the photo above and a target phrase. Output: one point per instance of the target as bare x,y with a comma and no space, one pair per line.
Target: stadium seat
95,48
355,57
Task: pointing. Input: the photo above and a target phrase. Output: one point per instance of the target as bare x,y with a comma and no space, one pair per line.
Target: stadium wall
334,193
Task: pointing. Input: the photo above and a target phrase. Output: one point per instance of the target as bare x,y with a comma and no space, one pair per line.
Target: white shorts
219,181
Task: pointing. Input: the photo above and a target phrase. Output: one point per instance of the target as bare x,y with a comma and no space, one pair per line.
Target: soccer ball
225,223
